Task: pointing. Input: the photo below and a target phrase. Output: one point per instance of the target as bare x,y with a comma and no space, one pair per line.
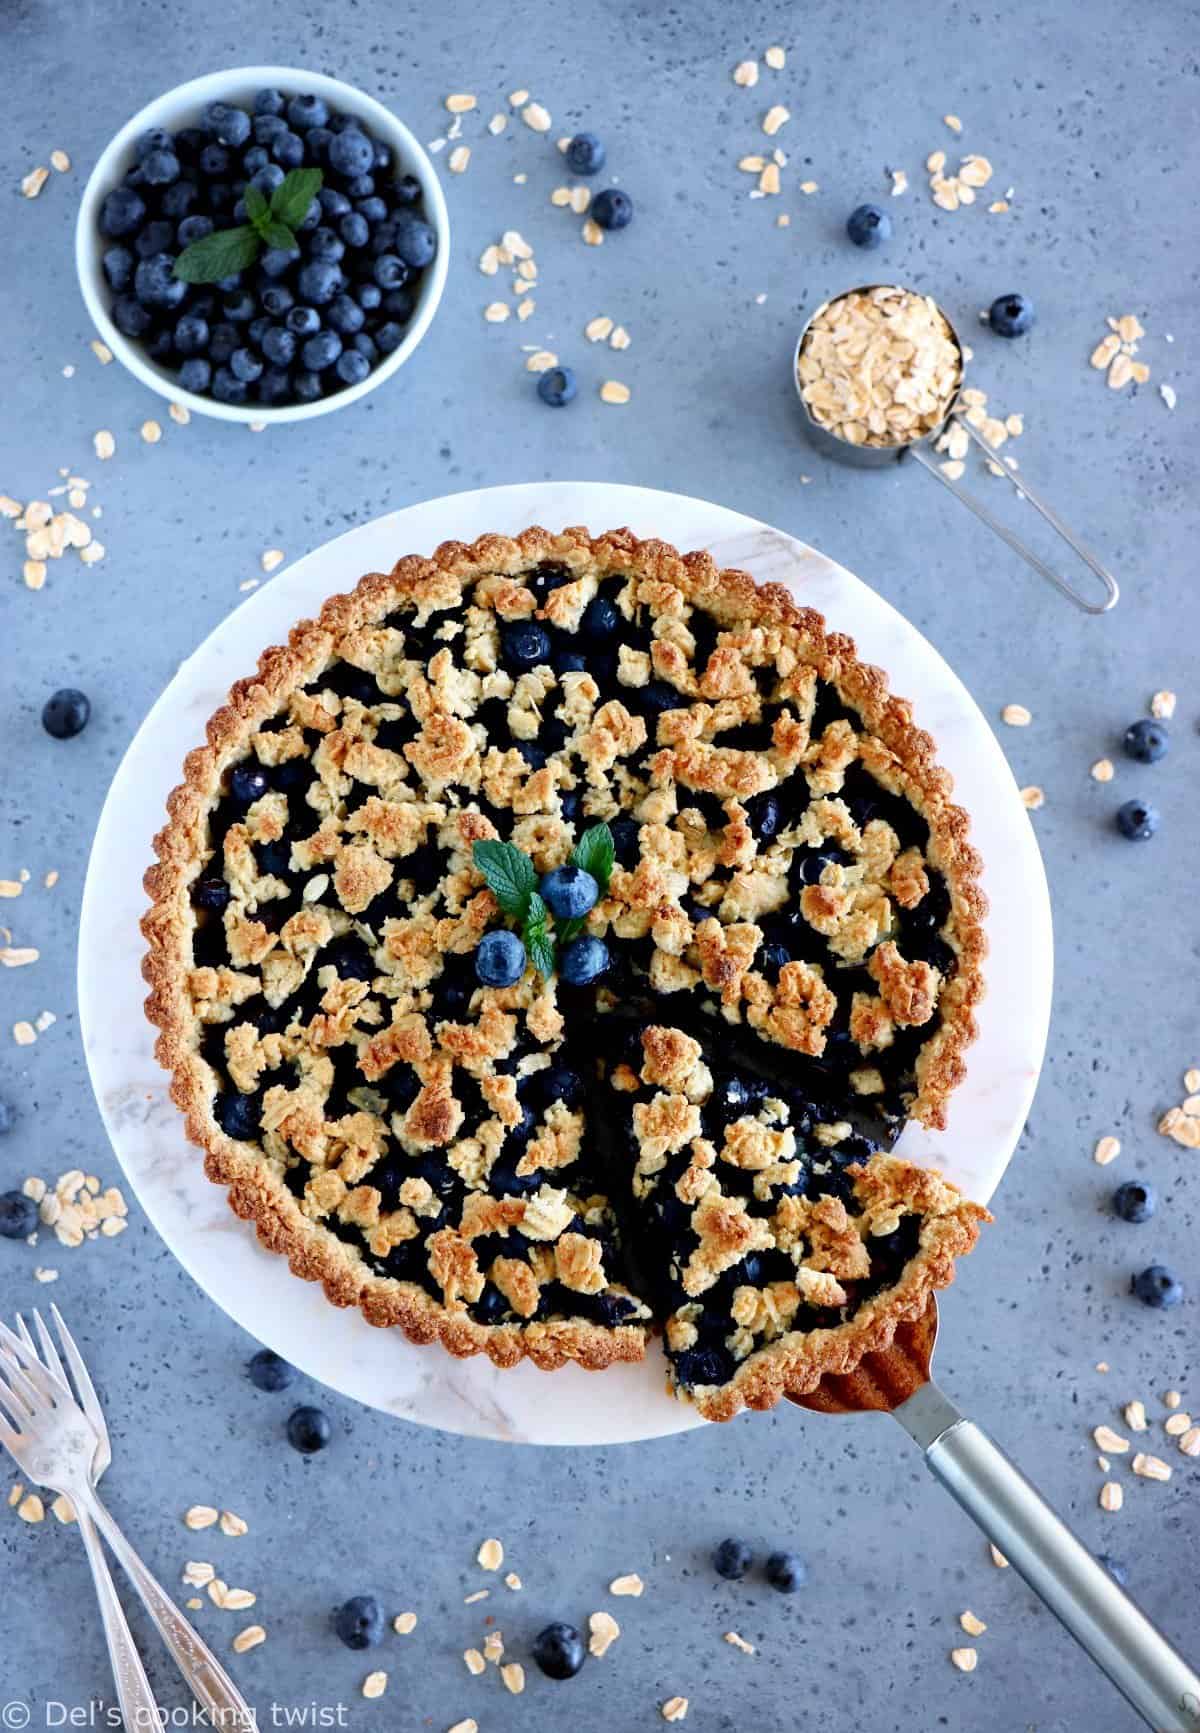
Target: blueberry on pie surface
512,1165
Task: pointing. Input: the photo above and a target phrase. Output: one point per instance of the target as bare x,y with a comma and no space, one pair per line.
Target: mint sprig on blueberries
270,222
551,911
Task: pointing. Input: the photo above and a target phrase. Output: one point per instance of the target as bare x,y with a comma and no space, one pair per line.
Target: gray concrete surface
1092,120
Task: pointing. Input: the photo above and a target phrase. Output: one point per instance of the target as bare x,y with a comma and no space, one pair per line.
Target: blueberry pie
552,940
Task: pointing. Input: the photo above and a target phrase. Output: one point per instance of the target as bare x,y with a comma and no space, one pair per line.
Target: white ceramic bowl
182,107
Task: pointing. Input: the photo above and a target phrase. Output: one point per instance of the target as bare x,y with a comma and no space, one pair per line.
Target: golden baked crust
759,626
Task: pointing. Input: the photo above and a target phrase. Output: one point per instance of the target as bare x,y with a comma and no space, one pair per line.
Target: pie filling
696,1138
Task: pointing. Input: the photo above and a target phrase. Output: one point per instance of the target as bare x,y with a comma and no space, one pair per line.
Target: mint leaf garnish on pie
269,224
509,874
595,853
539,942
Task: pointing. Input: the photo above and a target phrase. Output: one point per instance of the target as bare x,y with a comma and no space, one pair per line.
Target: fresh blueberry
319,281
247,783
7,1117
306,111
324,244
868,226
18,1216
398,305
178,199
1135,1201
130,317
195,374
303,321
334,203
191,335
154,138
416,242
368,296
354,229
351,153
559,1651
237,1115
583,961
407,190
267,127
359,1623
352,367
1137,820
557,386
122,213
277,299
625,839
732,1559
500,959
1158,1287
787,1572
274,262
269,102
307,387
390,271
268,179
279,345
189,142
156,237
66,713
193,229
601,620
361,187
585,154
240,307
569,662
118,268
372,210
1011,315
345,316
215,163
160,168
256,158
160,346
1147,741
228,125
382,159
771,959
321,351
211,893
389,337
657,696
287,149
224,340
364,345
1116,1570
523,645
245,365
569,892
268,1371
612,208
308,1430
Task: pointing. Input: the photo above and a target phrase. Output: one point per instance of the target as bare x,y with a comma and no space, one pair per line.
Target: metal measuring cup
878,456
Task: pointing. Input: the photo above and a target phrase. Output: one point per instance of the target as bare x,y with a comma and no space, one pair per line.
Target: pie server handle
1152,1676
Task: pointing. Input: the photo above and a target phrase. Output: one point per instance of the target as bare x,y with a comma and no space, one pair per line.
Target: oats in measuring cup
879,366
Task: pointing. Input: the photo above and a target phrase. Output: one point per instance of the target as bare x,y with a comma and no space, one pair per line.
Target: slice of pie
500,1161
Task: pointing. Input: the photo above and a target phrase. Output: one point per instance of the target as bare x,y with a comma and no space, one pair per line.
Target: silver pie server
1060,1570
921,451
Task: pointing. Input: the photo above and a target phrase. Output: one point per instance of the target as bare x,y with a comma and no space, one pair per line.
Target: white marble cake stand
254,1287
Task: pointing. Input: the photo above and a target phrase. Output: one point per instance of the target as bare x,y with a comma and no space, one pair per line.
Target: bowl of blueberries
263,244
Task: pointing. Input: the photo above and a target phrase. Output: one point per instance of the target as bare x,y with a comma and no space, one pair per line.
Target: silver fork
133,1688
57,1442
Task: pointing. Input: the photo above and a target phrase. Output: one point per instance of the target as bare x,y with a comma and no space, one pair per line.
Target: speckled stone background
1092,120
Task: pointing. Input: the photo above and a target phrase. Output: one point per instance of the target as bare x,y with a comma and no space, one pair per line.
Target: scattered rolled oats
1168,395
24,1034
998,1558
737,1642
467,1726
460,104
1016,716
271,559
34,181
1106,1150
201,1516
180,414
776,58
953,122
1173,1399
1135,1416
217,1591
497,124
674,1709
1190,1442
627,1585
60,162
1033,797
404,1623
512,1581
604,1633
479,1595
1162,705
1107,1439
1177,1423
1102,770
375,1684
475,1662
490,1555
776,116
593,234
536,117
233,1525
513,1675
496,312
101,351
899,182
31,1508
525,309
63,1509
518,99
745,73
966,1660
1111,1496
104,444
250,1638
237,1600
42,1275
152,432
612,391
197,1574
540,360
1150,1467
620,338
971,1625
458,159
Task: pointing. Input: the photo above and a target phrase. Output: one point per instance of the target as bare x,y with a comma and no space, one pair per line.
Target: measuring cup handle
1111,591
